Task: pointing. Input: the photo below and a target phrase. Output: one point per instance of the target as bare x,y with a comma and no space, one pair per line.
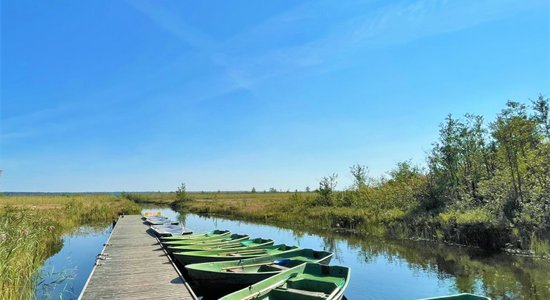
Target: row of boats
255,268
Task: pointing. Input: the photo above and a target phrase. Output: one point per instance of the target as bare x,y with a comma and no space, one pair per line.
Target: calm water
381,269
64,274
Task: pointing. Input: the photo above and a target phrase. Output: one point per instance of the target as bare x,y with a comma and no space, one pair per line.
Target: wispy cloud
333,33
328,35
407,21
173,24
198,40
358,29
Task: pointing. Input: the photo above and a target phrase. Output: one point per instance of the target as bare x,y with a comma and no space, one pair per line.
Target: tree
253,190
542,115
308,189
515,135
181,193
520,188
326,189
473,156
359,173
404,171
272,190
460,160
181,198
443,163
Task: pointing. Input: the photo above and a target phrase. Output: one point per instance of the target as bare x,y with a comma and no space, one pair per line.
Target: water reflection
64,274
390,269
381,268
469,270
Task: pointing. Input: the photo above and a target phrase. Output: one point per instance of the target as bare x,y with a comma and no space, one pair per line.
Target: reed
473,227
27,239
539,246
31,230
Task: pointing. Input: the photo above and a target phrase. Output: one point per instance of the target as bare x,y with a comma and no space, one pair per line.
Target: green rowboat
211,240
193,257
464,296
210,234
307,281
232,244
206,244
237,274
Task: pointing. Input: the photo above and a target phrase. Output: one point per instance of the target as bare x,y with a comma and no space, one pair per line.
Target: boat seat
296,294
272,268
307,293
276,266
321,284
235,270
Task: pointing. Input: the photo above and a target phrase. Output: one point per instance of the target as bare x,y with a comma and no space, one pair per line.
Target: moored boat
170,230
247,245
193,257
194,236
305,281
159,220
208,240
463,296
233,241
237,274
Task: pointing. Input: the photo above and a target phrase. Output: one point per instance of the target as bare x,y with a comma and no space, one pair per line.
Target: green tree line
483,184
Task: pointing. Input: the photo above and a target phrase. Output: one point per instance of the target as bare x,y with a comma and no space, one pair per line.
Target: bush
182,198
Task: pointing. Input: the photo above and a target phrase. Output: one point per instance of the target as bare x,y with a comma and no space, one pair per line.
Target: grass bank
302,210
31,230
499,274
484,184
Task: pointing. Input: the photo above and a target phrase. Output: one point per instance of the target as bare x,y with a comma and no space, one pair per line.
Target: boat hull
183,242
463,296
306,281
170,230
232,277
213,245
194,257
215,233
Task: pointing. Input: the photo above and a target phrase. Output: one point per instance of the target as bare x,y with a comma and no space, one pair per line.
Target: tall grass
539,247
31,230
27,239
157,198
473,227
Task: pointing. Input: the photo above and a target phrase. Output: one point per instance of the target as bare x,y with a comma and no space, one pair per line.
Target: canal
381,268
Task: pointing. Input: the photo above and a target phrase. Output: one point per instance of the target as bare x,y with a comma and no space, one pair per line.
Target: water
374,276
64,274
386,269
381,268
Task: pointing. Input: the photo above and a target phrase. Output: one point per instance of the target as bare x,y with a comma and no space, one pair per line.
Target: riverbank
31,230
386,268
485,185
471,228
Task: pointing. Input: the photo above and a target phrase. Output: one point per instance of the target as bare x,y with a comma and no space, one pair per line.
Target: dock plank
136,267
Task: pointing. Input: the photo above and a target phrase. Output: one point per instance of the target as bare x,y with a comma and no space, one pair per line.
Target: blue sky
230,95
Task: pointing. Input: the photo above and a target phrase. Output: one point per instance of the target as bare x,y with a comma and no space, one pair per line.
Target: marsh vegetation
385,268
484,185
31,230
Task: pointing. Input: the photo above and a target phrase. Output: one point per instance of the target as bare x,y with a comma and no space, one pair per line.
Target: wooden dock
133,265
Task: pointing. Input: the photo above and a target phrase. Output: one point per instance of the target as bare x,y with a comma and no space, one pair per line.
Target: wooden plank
133,265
